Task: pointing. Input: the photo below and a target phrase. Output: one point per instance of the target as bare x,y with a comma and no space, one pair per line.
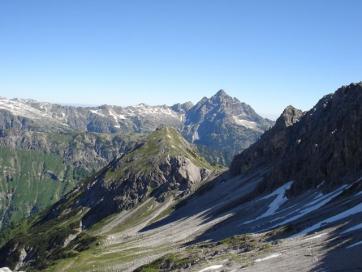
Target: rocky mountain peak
232,125
222,98
290,116
182,107
221,93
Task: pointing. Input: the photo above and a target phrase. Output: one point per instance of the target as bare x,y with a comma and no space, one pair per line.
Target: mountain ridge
164,166
327,134
153,209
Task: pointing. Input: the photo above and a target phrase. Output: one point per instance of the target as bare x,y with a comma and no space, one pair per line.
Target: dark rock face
271,145
223,124
323,144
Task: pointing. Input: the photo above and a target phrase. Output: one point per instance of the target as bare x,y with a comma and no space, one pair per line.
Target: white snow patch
319,201
143,109
20,108
111,113
211,268
5,269
356,227
97,112
316,236
195,136
279,200
245,123
340,216
355,244
275,255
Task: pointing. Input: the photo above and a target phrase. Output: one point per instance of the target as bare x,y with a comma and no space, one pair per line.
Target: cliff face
323,144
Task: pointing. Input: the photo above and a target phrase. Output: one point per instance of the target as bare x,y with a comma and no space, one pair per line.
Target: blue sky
267,53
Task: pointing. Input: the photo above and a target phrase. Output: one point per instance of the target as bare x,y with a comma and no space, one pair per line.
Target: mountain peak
163,163
221,95
221,92
289,116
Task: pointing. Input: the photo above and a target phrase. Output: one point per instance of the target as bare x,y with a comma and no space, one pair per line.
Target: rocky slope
323,144
164,166
39,168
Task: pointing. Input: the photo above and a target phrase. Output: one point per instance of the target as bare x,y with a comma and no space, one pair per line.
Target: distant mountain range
221,125
48,148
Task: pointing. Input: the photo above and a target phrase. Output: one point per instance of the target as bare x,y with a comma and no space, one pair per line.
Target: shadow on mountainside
342,251
215,199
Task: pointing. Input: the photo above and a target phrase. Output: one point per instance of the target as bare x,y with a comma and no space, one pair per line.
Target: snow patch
211,268
5,269
275,255
245,123
195,136
319,201
97,112
340,216
316,236
20,108
115,116
278,201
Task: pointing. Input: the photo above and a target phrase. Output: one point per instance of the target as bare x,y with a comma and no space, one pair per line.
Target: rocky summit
222,126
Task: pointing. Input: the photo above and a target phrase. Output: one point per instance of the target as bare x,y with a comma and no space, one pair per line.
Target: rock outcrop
323,144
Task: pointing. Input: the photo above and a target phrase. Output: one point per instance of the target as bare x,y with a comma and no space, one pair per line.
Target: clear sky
267,53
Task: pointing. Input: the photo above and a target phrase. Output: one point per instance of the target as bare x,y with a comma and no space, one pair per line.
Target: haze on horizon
268,55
